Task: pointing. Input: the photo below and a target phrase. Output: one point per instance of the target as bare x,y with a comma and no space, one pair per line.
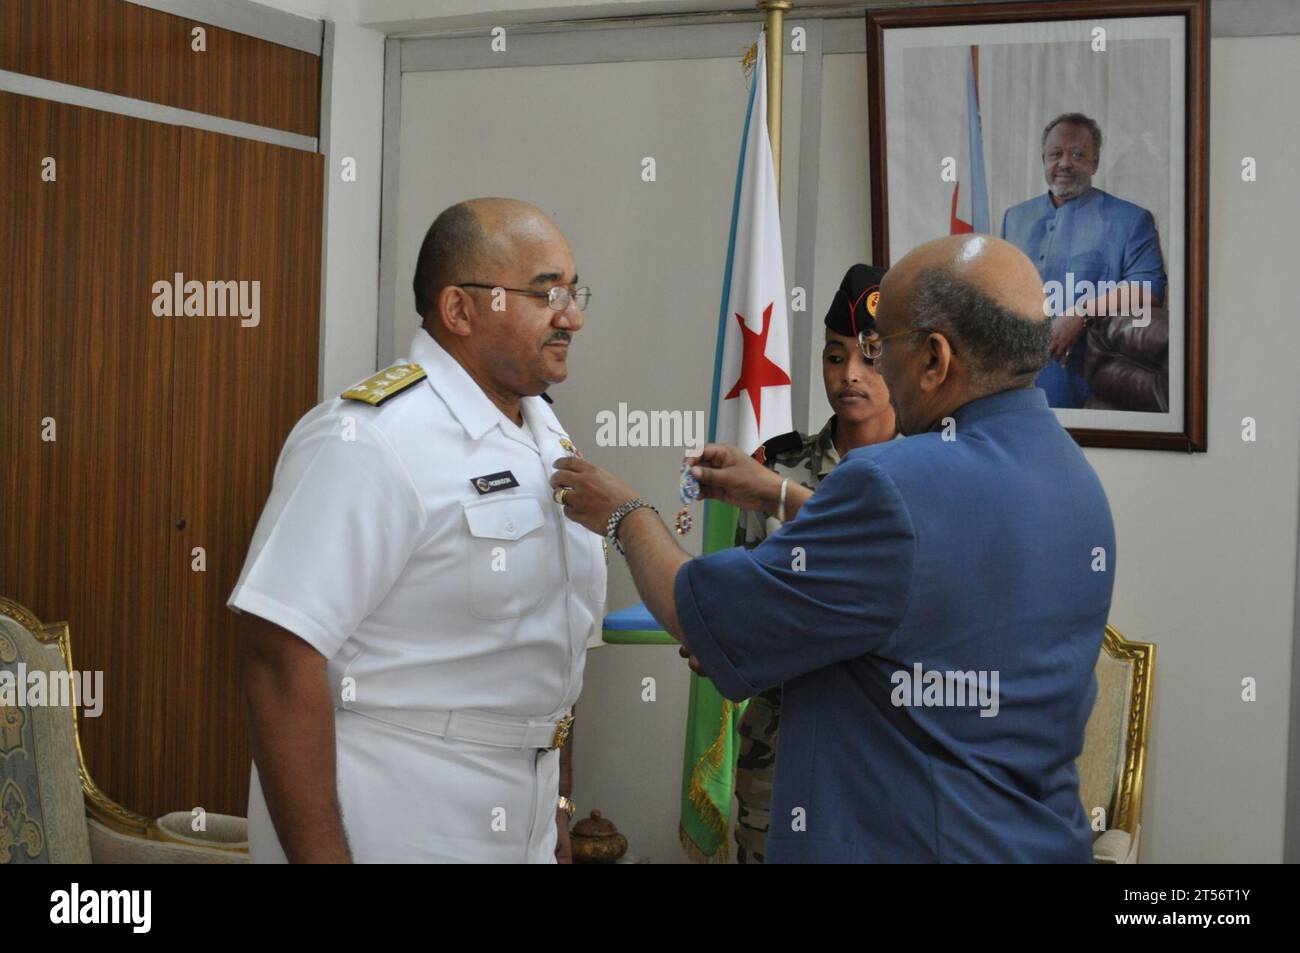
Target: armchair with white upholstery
1113,763
51,811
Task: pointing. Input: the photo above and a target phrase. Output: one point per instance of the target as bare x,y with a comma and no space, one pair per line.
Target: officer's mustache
558,336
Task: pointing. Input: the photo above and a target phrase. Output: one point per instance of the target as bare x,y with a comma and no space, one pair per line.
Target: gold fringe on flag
697,856
748,61
710,763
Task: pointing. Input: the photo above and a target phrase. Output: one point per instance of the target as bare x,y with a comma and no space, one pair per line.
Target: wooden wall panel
13,436
85,517
159,419
168,428
252,212
20,416
123,48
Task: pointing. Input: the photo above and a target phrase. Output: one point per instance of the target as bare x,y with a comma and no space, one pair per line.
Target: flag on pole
976,207
750,404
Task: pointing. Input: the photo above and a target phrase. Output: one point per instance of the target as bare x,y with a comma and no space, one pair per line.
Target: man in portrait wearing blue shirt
1080,238
934,609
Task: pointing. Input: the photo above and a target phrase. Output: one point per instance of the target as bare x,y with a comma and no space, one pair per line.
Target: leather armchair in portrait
1127,367
1113,764
51,811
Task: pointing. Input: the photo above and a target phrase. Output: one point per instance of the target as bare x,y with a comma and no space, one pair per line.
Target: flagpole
753,283
775,28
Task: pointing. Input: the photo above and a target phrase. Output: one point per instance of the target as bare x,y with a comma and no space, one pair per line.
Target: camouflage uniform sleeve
755,771
756,762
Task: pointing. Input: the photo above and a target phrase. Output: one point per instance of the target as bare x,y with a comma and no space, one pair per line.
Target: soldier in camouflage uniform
863,416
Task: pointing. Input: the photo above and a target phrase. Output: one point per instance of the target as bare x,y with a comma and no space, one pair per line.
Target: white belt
502,731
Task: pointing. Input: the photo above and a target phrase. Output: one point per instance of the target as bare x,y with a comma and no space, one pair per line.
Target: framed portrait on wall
1076,131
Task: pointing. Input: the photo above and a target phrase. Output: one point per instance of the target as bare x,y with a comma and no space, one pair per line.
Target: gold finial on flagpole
775,27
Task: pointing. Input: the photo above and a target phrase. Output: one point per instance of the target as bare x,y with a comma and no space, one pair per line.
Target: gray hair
1077,119
1000,347
454,242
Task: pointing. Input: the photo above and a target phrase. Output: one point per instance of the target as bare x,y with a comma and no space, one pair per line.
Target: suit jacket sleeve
1142,258
830,585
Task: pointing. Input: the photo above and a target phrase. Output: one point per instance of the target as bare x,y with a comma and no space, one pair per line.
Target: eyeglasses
558,297
872,344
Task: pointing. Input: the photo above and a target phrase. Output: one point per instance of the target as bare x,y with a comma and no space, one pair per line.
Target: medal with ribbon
689,492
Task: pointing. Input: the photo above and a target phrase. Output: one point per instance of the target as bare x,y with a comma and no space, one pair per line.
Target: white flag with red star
751,378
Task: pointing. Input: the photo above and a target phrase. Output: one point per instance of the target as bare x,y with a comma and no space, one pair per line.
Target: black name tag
492,482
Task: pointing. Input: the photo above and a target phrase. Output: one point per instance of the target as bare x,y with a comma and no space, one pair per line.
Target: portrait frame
1179,30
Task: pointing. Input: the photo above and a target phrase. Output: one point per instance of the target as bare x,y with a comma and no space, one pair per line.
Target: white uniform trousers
410,797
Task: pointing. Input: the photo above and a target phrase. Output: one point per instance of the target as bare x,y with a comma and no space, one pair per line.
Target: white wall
843,203
413,16
316,9
352,257
1207,543
356,91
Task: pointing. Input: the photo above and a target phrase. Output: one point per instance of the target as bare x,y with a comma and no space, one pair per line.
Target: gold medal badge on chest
569,448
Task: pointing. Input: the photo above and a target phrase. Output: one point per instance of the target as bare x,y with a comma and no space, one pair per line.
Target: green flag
712,739
753,352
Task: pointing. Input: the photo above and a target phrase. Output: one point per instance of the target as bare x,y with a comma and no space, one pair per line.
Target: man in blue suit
1099,254
934,609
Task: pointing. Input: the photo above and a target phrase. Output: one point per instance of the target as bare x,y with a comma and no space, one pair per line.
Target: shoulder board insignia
388,382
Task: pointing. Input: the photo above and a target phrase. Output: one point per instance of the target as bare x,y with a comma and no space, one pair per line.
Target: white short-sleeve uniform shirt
424,593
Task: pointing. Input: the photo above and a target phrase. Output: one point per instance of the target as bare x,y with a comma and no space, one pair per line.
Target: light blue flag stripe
731,256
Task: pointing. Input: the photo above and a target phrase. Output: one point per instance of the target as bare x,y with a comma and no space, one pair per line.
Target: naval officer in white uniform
417,606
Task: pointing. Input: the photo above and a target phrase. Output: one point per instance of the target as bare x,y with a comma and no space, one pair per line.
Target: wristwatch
567,806
611,526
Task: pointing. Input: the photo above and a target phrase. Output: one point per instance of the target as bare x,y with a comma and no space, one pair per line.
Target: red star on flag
756,371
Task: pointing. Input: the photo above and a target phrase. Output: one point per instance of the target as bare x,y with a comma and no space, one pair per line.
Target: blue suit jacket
977,554
1097,237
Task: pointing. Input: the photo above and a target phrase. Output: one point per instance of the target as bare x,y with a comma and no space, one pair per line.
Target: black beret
783,443
854,306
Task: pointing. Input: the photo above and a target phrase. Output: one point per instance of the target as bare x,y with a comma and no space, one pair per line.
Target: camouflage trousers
755,768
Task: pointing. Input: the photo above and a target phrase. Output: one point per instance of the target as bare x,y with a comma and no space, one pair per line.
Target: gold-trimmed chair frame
1128,790
99,805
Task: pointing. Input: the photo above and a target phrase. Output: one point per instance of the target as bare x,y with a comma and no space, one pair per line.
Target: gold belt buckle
562,729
